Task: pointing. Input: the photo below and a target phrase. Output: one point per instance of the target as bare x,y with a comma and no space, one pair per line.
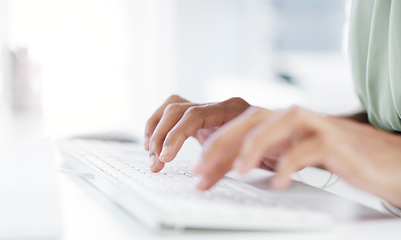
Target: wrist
361,117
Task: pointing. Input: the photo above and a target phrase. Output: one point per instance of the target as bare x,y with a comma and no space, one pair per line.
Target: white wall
221,37
3,41
107,64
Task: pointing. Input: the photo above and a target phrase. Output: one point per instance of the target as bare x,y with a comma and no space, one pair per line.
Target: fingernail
165,151
202,183
153,160
278,182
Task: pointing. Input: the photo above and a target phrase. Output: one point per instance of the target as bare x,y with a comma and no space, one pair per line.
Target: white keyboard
168,200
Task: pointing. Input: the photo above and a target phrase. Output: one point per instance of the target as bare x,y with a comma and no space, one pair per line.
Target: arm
362,155
361,117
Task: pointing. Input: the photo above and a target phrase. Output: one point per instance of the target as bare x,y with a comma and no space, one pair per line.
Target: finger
207,116
307,152
155,164
273,133
156,116
229,137
220,168
194,119
171,115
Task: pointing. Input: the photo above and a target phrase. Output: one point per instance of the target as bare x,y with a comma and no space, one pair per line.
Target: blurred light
83,48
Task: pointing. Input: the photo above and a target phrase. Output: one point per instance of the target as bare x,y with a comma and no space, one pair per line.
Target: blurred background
84,66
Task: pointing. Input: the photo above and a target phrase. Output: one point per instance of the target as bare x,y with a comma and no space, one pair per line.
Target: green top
375,56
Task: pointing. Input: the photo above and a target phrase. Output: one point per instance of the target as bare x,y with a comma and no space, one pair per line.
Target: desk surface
89,214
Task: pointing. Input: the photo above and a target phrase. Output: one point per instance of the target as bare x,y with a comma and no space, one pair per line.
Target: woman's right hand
178,119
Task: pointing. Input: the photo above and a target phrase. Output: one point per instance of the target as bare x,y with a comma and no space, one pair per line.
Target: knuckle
195,117
237,104
174,135
195,111
297,112
173,108
173,98
302,116
237,101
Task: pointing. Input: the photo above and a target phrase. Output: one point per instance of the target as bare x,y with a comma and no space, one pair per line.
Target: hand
178,119
362,155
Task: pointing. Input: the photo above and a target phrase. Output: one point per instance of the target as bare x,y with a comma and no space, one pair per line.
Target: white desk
89,214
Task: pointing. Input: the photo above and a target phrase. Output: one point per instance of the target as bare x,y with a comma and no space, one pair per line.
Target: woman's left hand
360,154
